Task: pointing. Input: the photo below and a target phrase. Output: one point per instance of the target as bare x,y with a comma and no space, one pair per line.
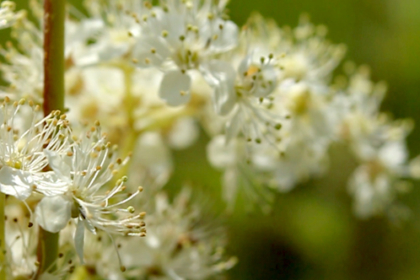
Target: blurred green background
311,232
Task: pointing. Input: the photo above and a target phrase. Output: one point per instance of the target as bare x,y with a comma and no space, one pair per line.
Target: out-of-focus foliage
311,232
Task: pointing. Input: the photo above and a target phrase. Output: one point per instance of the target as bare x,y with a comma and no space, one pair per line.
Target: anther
147,4
131,209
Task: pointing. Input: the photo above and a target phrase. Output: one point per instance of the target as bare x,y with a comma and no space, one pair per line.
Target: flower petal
175,88
221,76
49,184
150,51
16,182
227,38
60,165
53,212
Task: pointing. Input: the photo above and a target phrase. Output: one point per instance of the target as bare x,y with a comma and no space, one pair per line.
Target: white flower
21,244
24,68
245,95
384,168
312,114
376,182
101,256
179,245
305,52
255,77
280,101
78,34
107,35
7,14
22,157
363,123
178,38
378,144
151,163
93,95
77,191
293,165
309,56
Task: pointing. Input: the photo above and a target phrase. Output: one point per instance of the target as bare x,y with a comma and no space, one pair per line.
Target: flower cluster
68,177
179,244
270,92
272,101
25,140
378,143
7,14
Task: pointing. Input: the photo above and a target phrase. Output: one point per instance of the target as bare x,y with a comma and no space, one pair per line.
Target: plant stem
54,65
54,18
47,250
2,237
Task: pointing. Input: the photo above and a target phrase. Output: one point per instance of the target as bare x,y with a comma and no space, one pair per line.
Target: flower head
24,68
77,191
22,146
245,96
179,244
21,243
382,176
7,14
179,37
